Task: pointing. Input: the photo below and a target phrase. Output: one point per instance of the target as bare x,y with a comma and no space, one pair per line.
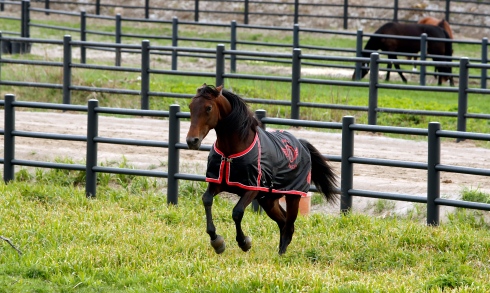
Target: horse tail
322,173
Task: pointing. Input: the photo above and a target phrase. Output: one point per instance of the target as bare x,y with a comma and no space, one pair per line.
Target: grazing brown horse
393,45
442,23
254,164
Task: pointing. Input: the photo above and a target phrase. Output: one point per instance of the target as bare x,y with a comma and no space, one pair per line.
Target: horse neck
228,137
373,44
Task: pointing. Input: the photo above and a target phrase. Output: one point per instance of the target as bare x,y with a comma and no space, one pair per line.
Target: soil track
366,177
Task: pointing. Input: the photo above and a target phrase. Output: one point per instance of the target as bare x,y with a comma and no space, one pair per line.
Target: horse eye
208,109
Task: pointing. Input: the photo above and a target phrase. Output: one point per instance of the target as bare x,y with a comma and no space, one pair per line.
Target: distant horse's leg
292,203
397,66
274,210
388,66
217,241
243,241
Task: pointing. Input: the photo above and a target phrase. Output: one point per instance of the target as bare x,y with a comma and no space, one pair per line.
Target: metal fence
251,11
122,25
296,58
346,158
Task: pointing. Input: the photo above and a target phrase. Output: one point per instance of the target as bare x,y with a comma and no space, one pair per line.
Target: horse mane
240,119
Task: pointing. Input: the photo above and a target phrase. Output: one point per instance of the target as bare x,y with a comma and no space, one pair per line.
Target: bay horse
391,45
254,164
442,23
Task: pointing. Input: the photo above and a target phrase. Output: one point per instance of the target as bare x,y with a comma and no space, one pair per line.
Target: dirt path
375,178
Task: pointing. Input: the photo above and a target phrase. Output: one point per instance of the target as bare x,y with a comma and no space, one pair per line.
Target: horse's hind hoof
247,244
218,244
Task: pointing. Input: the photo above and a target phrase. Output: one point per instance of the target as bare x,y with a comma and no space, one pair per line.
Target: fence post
448,10
433,175
9,139
97,7
145,74
245,12
462,94
196,10
46,6
175,41
346,13
173,155
295,84
147,9
66,69
395,11
423,57
91,160
484,60
358,54
373,88
118,39
25,21
296,11
347,168
220,64
296,35
259,115
83,36
233,46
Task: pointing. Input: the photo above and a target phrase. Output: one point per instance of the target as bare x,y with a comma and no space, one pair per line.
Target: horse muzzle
193,143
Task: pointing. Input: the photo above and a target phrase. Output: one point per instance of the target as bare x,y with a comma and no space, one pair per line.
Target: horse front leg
217,241
244,242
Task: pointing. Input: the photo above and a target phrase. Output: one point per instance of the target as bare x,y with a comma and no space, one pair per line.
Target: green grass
129,240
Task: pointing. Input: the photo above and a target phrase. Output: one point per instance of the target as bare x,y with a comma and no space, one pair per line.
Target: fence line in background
347,158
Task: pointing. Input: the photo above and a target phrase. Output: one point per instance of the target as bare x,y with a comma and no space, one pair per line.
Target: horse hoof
247,244
218,244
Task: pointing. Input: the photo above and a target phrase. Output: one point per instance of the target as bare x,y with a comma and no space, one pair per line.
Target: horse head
206,108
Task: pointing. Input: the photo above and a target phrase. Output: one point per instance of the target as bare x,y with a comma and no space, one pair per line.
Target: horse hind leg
275,211
292,202
244,242
397,67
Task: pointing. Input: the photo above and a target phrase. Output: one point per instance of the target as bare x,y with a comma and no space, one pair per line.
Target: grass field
129,240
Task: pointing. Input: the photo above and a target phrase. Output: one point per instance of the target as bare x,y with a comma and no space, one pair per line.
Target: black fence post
220,64
233,41
295,84
423,57
83,36
296,36
66,69
196,10
433,175
118,39
346,14
373,89
357,71
173,155
395,11
245,12
296,11
46,6
448,10
91,160
97,7
145,74
347,168
259,114
25,20
147,9
9,139
484,60
175,41
462,94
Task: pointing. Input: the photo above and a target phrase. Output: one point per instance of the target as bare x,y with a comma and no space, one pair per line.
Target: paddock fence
252,11
123,32
347,159
296,58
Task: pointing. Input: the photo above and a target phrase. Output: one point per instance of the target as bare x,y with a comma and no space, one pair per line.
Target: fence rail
173,175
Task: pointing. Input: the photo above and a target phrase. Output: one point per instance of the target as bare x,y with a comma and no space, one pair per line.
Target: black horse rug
269,164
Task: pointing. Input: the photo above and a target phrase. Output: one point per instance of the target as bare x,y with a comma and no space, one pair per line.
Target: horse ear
201,87
220,89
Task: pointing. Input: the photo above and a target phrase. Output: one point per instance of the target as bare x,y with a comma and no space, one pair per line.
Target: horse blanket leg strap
275,162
